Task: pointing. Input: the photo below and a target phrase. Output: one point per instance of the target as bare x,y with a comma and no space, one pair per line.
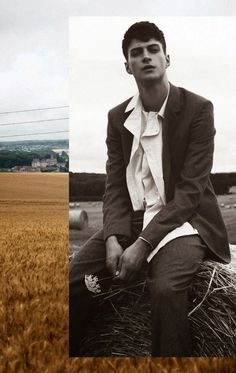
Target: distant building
51,161
35,163
43,163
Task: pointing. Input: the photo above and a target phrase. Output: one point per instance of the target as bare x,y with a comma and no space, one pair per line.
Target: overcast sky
34,66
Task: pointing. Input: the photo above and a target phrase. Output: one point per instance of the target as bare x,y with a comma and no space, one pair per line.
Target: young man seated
159,204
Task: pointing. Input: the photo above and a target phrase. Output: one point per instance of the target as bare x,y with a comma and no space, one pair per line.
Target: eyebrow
149,45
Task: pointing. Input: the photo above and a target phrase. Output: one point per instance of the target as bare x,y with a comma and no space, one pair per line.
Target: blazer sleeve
116,202
193,178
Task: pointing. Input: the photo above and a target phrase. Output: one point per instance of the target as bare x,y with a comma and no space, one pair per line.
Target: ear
167,60
128,69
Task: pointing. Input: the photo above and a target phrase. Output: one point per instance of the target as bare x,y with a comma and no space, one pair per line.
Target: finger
119,265
121,276
118,277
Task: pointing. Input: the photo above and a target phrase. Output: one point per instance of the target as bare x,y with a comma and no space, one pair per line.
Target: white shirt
144,173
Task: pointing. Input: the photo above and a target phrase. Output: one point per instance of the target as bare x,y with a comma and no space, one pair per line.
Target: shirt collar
136,103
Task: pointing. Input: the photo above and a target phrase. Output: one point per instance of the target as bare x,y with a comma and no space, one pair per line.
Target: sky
35,64
202,61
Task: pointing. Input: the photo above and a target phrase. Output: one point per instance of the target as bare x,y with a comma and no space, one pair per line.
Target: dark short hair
142,31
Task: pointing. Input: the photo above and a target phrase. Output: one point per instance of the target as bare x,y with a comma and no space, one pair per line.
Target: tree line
90,186
11,158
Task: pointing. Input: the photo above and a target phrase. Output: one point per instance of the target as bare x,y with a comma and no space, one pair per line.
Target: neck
154,95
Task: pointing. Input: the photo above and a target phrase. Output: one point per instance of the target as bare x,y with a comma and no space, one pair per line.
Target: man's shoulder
120,108
193,95
189,96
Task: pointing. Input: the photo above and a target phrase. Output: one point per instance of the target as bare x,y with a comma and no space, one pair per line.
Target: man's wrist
111,239
145,243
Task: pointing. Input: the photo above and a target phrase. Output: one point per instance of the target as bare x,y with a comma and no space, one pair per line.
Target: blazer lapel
169,125
127,139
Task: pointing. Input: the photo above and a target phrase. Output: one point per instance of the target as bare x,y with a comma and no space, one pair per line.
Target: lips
148,67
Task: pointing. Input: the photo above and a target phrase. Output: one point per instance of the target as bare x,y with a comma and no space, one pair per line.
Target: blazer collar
174,101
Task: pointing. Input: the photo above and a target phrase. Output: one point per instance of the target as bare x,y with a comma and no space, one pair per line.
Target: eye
136,52
154,48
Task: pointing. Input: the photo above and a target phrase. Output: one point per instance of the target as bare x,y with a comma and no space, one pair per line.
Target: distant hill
90,186
31,143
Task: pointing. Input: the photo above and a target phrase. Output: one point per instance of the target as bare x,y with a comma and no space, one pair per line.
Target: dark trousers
170,275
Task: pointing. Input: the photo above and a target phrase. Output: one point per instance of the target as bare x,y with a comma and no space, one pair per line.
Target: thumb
119,264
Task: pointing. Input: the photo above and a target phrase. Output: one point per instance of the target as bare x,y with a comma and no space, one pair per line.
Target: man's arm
193,178
116,202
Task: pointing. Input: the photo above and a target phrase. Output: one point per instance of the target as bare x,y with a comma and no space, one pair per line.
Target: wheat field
34,286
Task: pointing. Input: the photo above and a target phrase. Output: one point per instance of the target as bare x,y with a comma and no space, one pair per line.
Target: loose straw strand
207,292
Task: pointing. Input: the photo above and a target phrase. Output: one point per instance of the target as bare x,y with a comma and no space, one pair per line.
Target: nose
146,56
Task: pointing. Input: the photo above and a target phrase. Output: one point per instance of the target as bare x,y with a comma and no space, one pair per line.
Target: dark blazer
188,143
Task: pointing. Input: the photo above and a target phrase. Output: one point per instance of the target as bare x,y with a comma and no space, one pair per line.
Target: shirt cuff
144,239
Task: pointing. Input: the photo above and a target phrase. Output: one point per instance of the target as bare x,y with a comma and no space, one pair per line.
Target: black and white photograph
152,158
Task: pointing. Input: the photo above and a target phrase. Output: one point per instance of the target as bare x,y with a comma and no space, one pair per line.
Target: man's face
147,61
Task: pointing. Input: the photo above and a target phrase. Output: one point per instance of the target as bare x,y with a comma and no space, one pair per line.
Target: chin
151,79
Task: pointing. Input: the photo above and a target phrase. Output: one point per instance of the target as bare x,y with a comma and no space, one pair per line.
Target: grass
229,214
94,210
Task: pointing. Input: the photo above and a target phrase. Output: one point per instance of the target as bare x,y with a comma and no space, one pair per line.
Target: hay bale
74,205
122,325
78,219
213,310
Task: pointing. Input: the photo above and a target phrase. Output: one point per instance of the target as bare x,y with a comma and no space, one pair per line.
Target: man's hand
114,252
132,260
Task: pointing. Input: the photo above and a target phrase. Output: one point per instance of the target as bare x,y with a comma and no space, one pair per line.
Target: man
159,204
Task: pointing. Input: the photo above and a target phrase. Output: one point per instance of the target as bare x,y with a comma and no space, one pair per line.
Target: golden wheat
25,186
33,291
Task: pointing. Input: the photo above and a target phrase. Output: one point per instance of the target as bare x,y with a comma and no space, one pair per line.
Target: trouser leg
170,277
90,260
83,288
